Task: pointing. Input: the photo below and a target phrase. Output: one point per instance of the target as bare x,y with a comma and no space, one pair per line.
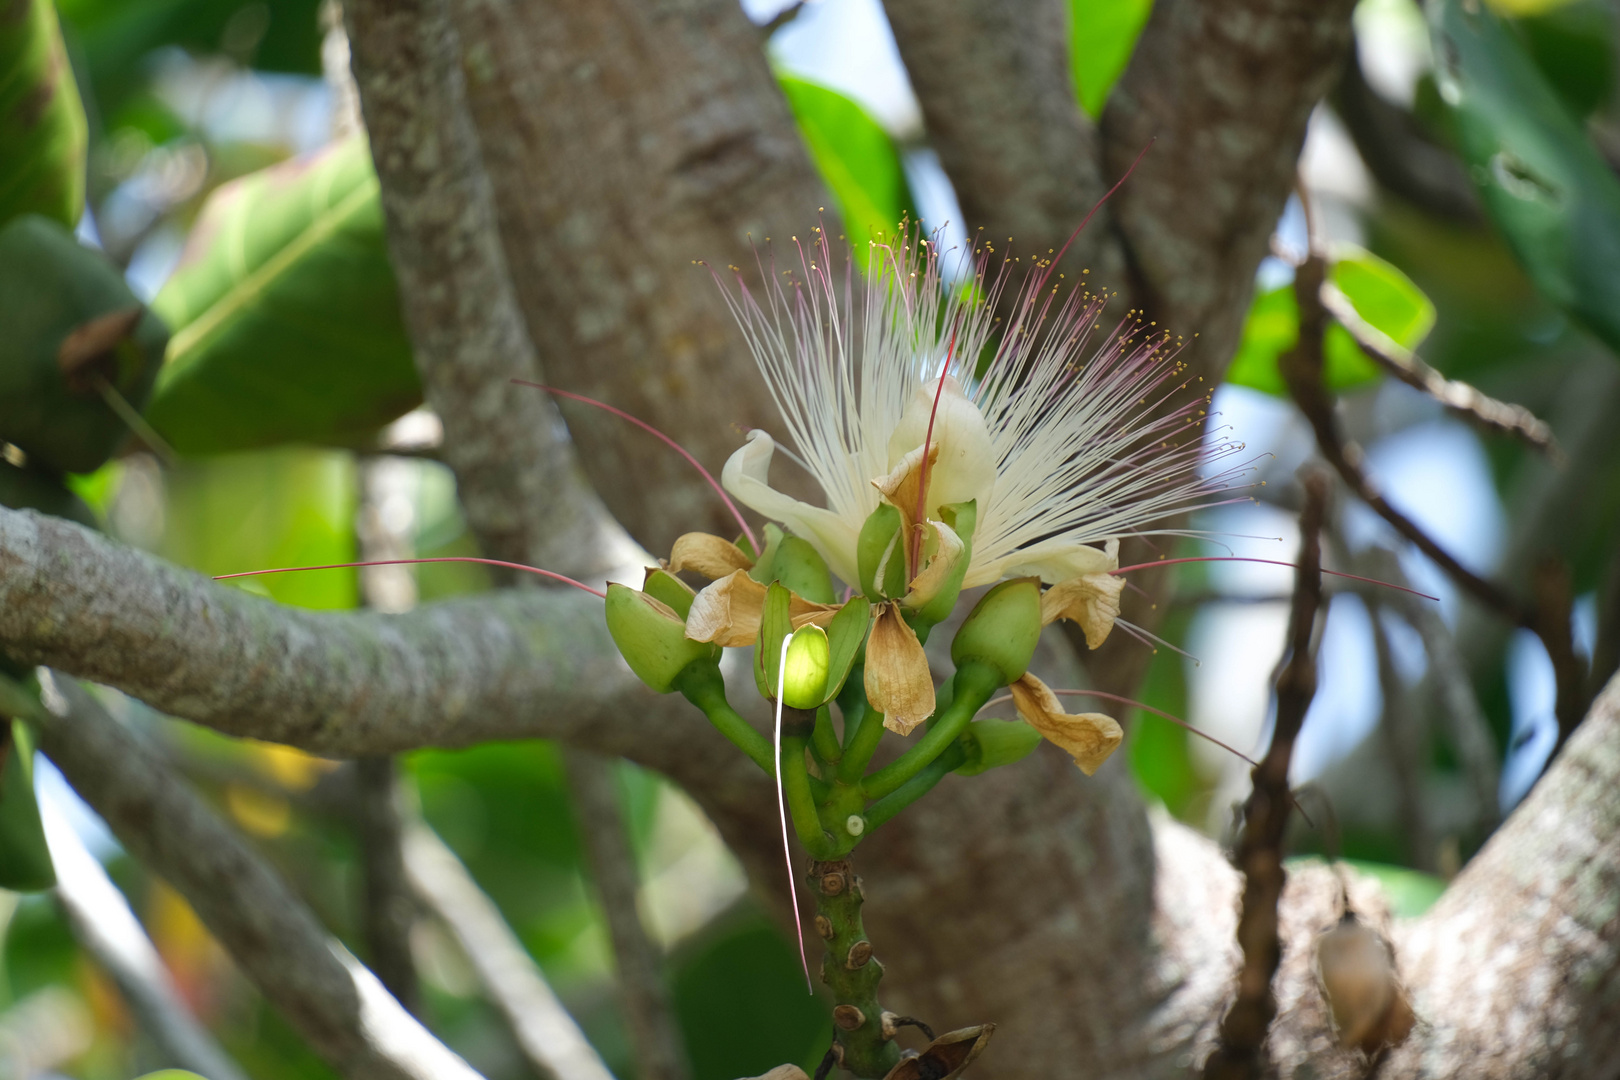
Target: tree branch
1517,968
386,908
1265,815
512,461
642,991
107,929
548,1036
324,993
1022,157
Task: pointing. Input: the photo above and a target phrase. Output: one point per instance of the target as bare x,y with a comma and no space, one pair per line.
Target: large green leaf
1383,296
1552,196
856,157
286,318
42,126
1102,36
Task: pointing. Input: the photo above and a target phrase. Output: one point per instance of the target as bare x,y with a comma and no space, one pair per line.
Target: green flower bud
802,569
1002,629
881,555
804,672
990,743
652,637
666,587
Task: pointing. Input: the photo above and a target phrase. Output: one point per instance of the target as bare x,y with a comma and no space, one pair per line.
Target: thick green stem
801,803
975,684
825,741
862,744
702,686
915,788
851,972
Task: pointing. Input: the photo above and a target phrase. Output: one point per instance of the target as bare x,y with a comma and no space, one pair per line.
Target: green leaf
1572,45
42,125
775,624
1381,294
25,861
855,156
286,318
1102,37
71,325
1548,191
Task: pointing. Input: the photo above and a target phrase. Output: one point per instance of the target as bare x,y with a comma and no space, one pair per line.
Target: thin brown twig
1458,397
1548,616
1302,370
1259,853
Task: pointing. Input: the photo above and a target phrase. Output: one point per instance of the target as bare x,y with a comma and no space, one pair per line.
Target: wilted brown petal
1089,738
727,612
901,485
803,612
783,1072
1092,600
708,554
946,1057
897,680
1356,971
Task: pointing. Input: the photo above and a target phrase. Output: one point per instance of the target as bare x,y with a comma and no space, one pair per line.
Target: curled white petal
746,476
966,466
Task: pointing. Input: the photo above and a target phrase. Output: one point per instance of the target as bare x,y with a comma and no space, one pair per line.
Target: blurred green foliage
42,125
857,159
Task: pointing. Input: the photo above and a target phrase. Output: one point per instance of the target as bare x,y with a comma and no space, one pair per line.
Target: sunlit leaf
856,158
42,126
1382,295
1102,36
1550,193
285,314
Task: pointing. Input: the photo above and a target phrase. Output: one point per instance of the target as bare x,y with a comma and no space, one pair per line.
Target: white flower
1066,441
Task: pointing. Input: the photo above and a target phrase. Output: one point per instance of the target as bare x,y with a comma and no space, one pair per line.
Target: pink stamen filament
1269,562
411,562
1147,708
919,522
671,443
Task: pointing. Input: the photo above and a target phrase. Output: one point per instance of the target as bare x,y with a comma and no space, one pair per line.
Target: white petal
1051,560
966,468
746,477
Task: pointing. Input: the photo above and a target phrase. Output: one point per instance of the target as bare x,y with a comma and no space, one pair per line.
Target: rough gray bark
324,993
1024,159
504,442
623,142
387,909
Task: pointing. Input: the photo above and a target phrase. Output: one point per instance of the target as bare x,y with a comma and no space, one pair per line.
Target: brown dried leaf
1089,738
1355,968
898,683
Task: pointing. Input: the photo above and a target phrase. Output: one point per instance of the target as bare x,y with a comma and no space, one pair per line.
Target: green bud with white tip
990,743
1002,629
651,637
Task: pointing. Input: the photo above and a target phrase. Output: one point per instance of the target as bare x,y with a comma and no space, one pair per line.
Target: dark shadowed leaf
1552,196
42,126
25,861
285,314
